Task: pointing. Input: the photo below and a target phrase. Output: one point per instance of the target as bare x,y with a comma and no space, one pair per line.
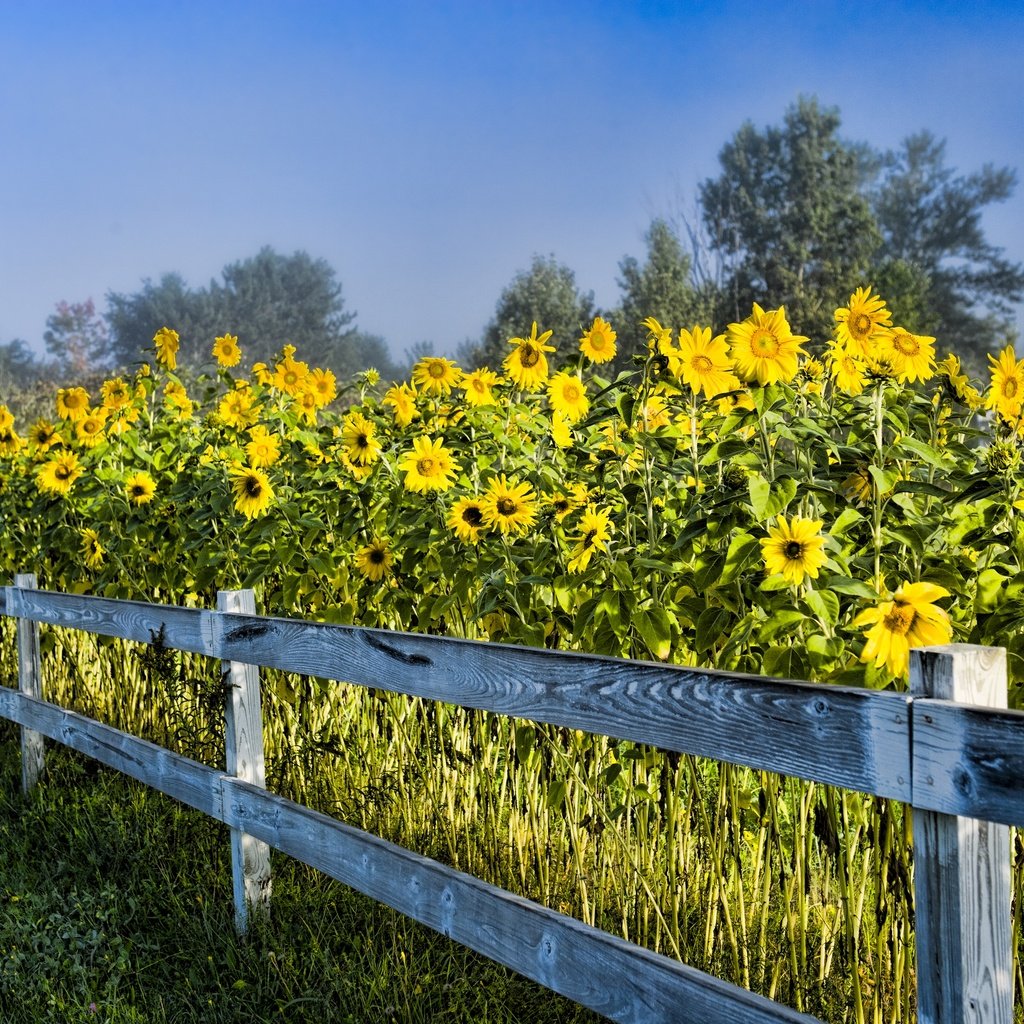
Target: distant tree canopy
267,301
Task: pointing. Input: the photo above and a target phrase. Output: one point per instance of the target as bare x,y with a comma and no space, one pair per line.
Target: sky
429,150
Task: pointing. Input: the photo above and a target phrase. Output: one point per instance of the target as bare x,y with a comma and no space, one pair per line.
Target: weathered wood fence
958,764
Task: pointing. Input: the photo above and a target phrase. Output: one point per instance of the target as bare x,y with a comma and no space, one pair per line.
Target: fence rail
944,758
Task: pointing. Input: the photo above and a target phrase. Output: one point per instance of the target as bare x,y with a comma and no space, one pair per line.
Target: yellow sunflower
1007,389
562,504
263,448
598,344
763,348
252,489
375,560
237,409
561,430
402,399
848,372
912,356
57,476
6,418
290,374
166,342
359,437
324,385
226,350
956,384
10,442
176,397
92,550
140,488
89,429
306,405
477,386
910,619
794,548
509,506
526,364
43,435
568,395
429,466
864,323
703,362
72,403
595,529
116,394
466,519
436,376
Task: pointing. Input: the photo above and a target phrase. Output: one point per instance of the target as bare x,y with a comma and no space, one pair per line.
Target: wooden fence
958,764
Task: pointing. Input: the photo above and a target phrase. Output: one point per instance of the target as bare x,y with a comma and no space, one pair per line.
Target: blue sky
428,150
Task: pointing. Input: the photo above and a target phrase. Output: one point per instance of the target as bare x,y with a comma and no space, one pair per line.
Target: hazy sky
428,150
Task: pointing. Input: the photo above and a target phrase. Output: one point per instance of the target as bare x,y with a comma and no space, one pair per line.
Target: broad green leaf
654,627
743,549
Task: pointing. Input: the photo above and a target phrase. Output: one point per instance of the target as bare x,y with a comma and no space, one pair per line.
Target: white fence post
243,740
30,683
961,866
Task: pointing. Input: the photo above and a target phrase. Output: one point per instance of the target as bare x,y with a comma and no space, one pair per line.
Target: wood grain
30,683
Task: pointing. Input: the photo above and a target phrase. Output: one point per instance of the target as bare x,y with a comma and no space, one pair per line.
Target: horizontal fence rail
948,759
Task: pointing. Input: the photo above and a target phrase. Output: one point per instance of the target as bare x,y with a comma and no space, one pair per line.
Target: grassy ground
115,906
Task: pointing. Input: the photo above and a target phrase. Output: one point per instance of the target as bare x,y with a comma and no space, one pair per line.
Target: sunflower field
752,500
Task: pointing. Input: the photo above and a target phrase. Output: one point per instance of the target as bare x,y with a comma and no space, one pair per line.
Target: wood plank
845,737
30,683
188,781
243,741
607,974
961,865
969,761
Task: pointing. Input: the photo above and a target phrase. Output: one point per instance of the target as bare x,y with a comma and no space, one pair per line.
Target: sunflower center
561,505
764,344
138,490
253,488
1010,388
906,344
588,540
479,386
598,340
62,472
860,325
436,370
362,440
506,506
377,556
900,619
528,356
426,466
793,550
571,393
472,516
702,363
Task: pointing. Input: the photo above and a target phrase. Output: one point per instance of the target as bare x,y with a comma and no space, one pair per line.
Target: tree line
798,216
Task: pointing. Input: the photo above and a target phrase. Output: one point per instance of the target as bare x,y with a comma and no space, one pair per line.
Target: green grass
115,906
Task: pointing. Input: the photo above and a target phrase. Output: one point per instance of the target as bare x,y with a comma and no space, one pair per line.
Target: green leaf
556,794
780,622
844,521
743,549
654,627
769,500
710,626
824,605
787,662
526,736
885,479
923,451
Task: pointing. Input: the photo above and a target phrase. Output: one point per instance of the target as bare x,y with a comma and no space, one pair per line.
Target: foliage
788,216
77,338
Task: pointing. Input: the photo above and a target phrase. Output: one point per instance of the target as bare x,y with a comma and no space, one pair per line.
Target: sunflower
291,374
116,394
958,385
359,437
598,344
402,399
526,364
509,506
562,504
59,474
703,362
43,435
166,342
263,374
324,385
795,549
561,430
375,560
912,355
359,473
1007,390
10,442
252,489
89,429
653,413
176,397
595,528
859,486
263,448
568,395
467,519
864,323
236,409
429,466
436,376
140,488
848,372
6,418
306,405
477,386
763,348
910,619
226,350
72,403
92,550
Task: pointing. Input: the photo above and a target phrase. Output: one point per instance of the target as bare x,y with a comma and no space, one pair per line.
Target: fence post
961,867
243,740
30,683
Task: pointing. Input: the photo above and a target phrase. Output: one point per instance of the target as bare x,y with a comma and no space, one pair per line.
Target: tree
546,293
930,220
788,217
77,338
663,287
